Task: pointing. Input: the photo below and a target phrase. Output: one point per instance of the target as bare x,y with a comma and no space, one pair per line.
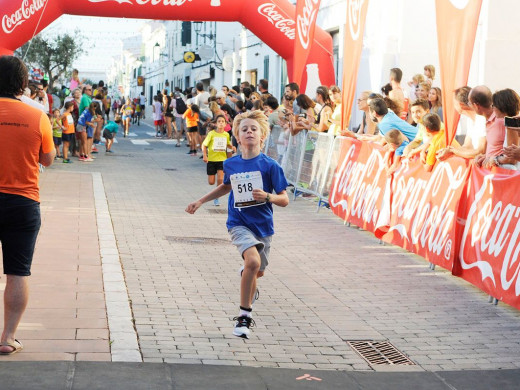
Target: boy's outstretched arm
281,199
221,190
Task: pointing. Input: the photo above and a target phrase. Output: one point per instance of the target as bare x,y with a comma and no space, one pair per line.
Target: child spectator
423,91
394,140
252,177
85,125
57,130
432,124
214,152
414,85
435,99
68,134
157,116
192,123
429,73
418,110
110,131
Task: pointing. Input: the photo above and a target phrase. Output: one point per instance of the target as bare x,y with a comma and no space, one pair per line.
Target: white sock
245,313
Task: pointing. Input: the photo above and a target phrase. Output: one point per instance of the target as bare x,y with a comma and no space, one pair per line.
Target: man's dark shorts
19,226
213,167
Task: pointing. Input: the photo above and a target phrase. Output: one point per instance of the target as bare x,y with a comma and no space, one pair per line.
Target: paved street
326,283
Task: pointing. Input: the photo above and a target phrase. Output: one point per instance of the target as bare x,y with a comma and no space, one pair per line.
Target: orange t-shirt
68,122
24,131
192,118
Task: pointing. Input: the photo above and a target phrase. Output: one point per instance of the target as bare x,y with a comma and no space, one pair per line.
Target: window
266,67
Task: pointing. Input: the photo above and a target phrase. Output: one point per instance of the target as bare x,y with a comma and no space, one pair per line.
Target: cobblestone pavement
326,283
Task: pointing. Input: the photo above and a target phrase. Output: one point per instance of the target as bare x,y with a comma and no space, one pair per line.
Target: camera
303,115
511,122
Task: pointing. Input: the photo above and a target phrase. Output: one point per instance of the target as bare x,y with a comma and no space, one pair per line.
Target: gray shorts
243,239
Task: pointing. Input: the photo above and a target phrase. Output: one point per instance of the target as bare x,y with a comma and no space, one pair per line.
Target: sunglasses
40,89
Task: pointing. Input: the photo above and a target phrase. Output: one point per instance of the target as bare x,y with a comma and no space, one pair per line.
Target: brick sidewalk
326,283
66,316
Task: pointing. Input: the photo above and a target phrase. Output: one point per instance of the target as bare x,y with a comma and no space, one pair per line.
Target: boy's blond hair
419,78
395,137
255,115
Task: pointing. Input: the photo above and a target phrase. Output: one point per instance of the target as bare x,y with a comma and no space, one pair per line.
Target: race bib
219,144
243,185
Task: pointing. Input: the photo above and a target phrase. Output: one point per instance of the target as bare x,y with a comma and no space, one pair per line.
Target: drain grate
170,169
217,211
380,352
198,240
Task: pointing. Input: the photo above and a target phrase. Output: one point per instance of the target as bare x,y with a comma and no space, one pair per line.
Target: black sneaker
242,326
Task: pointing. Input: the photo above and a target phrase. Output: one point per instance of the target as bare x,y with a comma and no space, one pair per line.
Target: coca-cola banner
457,22
273,21
357,190
489,255
352,47
306,13
423,209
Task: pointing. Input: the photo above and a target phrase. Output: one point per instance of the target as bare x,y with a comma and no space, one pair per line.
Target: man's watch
495,160
268,198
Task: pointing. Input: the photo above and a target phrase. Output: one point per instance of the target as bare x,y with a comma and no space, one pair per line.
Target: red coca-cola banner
424,209
272,20
457,22
357,190
306,13
462,218
352,47
489,250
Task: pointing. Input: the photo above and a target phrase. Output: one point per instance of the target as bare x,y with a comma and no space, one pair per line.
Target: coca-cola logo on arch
305,21
213,3
22,14
274,16
354,8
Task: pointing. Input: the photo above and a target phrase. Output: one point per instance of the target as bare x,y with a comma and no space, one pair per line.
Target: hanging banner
457,22
424,206
306,14
352,47
359,183
489,255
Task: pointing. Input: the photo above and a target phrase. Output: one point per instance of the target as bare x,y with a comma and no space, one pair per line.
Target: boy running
251,179
214,152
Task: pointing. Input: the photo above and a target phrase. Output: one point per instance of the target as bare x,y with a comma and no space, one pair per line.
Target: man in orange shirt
25,141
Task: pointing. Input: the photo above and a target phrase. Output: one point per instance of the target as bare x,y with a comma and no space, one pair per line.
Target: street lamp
198,27
153,50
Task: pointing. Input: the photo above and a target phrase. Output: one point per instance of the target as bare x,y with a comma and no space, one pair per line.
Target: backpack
180,106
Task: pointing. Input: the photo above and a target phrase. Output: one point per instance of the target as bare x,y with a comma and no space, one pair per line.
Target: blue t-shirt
391,121
111,126
259,219
86,116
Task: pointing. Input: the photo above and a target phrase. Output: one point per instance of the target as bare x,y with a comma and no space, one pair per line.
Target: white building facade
399,33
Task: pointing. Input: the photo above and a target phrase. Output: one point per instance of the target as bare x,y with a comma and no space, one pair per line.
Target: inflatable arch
273,21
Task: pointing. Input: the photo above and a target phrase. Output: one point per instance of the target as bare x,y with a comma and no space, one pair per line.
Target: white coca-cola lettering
285,25
483,266
359,182
306,21
430,222
354,8
151,2
22,14
489,225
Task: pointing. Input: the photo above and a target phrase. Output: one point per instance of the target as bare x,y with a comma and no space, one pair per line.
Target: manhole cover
170,169
380,352
198,240
217,211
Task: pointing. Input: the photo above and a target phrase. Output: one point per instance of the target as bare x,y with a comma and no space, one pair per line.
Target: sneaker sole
240,334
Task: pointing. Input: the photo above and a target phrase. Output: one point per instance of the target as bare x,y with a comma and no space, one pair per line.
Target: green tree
54,55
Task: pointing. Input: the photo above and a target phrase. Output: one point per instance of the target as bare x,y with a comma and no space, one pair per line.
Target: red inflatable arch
271,20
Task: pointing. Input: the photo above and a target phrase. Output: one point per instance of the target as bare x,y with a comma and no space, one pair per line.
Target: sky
102,37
